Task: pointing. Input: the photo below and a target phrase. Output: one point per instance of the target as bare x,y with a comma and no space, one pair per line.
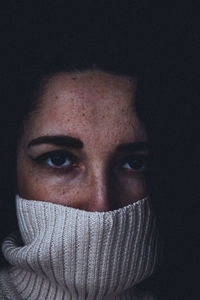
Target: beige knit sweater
65,253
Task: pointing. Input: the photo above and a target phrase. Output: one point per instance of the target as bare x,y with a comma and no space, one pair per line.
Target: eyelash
65,155
141,159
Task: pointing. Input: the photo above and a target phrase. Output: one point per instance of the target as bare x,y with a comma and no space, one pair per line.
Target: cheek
37,185
121,192
129,189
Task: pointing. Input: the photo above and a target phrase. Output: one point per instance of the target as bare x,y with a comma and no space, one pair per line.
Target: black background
168,35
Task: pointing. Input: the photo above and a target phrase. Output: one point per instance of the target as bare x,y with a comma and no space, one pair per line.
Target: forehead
85,101
92,90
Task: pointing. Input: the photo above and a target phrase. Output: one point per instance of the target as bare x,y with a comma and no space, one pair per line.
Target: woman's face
84,145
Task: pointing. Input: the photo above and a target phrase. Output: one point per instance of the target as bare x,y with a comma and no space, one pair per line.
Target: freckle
83,114
74,78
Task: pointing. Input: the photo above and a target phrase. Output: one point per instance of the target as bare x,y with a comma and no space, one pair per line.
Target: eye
136,163
56,159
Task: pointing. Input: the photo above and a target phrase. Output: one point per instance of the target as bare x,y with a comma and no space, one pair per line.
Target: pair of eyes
65,160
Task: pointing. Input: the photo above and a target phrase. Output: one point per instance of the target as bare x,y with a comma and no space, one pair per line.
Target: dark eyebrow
58,140
133,147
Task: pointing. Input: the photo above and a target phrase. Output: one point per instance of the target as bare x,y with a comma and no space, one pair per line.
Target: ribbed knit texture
69,253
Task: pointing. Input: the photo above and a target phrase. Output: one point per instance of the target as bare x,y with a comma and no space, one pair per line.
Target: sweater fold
65,253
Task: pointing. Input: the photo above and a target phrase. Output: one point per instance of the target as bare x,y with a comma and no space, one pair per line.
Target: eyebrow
135,146
58,140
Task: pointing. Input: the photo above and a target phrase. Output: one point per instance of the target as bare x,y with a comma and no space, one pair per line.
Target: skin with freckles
79,146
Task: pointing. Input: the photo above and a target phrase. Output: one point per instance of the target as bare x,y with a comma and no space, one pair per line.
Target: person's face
84,145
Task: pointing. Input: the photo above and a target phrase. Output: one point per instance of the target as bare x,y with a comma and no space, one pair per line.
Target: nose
99,191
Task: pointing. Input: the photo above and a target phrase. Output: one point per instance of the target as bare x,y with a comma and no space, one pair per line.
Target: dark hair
59,37
114,37
65,38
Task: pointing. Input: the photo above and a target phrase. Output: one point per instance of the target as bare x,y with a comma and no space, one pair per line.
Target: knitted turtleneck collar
69,253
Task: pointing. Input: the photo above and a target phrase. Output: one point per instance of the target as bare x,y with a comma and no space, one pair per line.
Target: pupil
136,164
58,160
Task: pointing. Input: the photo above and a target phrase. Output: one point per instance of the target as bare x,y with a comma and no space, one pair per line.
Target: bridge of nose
99,187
